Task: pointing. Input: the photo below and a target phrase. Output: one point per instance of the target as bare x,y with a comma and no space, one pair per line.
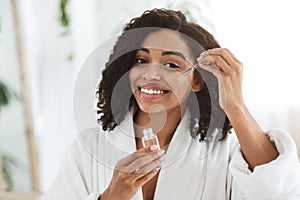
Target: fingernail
160,152
153,147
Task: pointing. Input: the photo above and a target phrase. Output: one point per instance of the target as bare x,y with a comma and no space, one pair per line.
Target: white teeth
150,91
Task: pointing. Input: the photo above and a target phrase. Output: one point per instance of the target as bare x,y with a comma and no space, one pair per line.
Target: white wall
264,35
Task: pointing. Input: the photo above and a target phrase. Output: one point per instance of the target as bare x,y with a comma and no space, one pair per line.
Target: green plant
5,95
64,17
64,20
7,161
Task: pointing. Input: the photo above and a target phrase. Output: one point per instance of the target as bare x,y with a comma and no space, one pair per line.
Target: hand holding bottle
132,172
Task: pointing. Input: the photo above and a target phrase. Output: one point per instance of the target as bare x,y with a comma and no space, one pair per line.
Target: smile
152,91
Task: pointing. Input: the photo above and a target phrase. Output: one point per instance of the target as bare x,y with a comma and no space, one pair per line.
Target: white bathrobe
215,170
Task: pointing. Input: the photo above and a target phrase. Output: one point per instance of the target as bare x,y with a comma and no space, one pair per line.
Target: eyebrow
176,53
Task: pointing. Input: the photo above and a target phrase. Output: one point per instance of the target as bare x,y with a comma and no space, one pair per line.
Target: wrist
104,195
234,110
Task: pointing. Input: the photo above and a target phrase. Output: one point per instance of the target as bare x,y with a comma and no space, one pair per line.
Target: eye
140,61
172,65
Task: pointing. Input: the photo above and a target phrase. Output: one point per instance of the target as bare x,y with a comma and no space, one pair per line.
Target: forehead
167,40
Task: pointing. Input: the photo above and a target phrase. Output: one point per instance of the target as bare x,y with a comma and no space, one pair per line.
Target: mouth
152,92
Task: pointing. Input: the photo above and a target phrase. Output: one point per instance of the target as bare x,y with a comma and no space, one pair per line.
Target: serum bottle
149,138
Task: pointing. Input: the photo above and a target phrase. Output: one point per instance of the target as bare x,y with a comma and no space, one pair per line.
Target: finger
233,62
139,163
148,149
144,179
151,166
137,154
228,55
217,60
210,67
129,159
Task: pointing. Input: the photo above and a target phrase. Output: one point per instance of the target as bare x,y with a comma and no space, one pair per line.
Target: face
154,77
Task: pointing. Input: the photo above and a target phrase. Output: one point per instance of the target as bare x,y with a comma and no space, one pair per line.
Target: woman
171,75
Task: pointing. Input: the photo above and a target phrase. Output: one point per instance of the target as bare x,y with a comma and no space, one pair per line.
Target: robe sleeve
278,179
74,180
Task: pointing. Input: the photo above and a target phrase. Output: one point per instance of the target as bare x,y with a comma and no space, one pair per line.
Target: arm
255,145
271,156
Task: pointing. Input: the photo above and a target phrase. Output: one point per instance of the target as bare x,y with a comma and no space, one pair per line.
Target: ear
197,87
198,83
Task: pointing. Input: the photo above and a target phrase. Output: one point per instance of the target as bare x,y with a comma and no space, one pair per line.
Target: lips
152,91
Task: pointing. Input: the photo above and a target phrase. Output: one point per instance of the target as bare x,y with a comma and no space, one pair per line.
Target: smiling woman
192,117
154,75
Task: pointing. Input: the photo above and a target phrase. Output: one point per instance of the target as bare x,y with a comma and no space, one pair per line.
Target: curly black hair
120,62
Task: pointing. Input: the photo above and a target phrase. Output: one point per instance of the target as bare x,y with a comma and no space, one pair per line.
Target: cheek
135,73
182,90
132,76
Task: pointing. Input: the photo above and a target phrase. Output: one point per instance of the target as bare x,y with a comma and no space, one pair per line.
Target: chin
155,108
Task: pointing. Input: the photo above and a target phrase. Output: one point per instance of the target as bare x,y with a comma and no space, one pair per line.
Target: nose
152,72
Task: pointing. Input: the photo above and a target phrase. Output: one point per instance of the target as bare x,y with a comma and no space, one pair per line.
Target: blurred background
43,45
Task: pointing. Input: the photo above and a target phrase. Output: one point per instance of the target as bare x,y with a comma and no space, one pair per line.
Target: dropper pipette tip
188,71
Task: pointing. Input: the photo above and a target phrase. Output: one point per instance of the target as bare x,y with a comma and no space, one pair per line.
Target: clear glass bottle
149,138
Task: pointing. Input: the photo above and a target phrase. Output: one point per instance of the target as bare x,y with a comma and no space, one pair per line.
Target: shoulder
221,150
228,144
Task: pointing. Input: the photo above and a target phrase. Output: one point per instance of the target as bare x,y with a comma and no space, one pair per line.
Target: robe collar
121,142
